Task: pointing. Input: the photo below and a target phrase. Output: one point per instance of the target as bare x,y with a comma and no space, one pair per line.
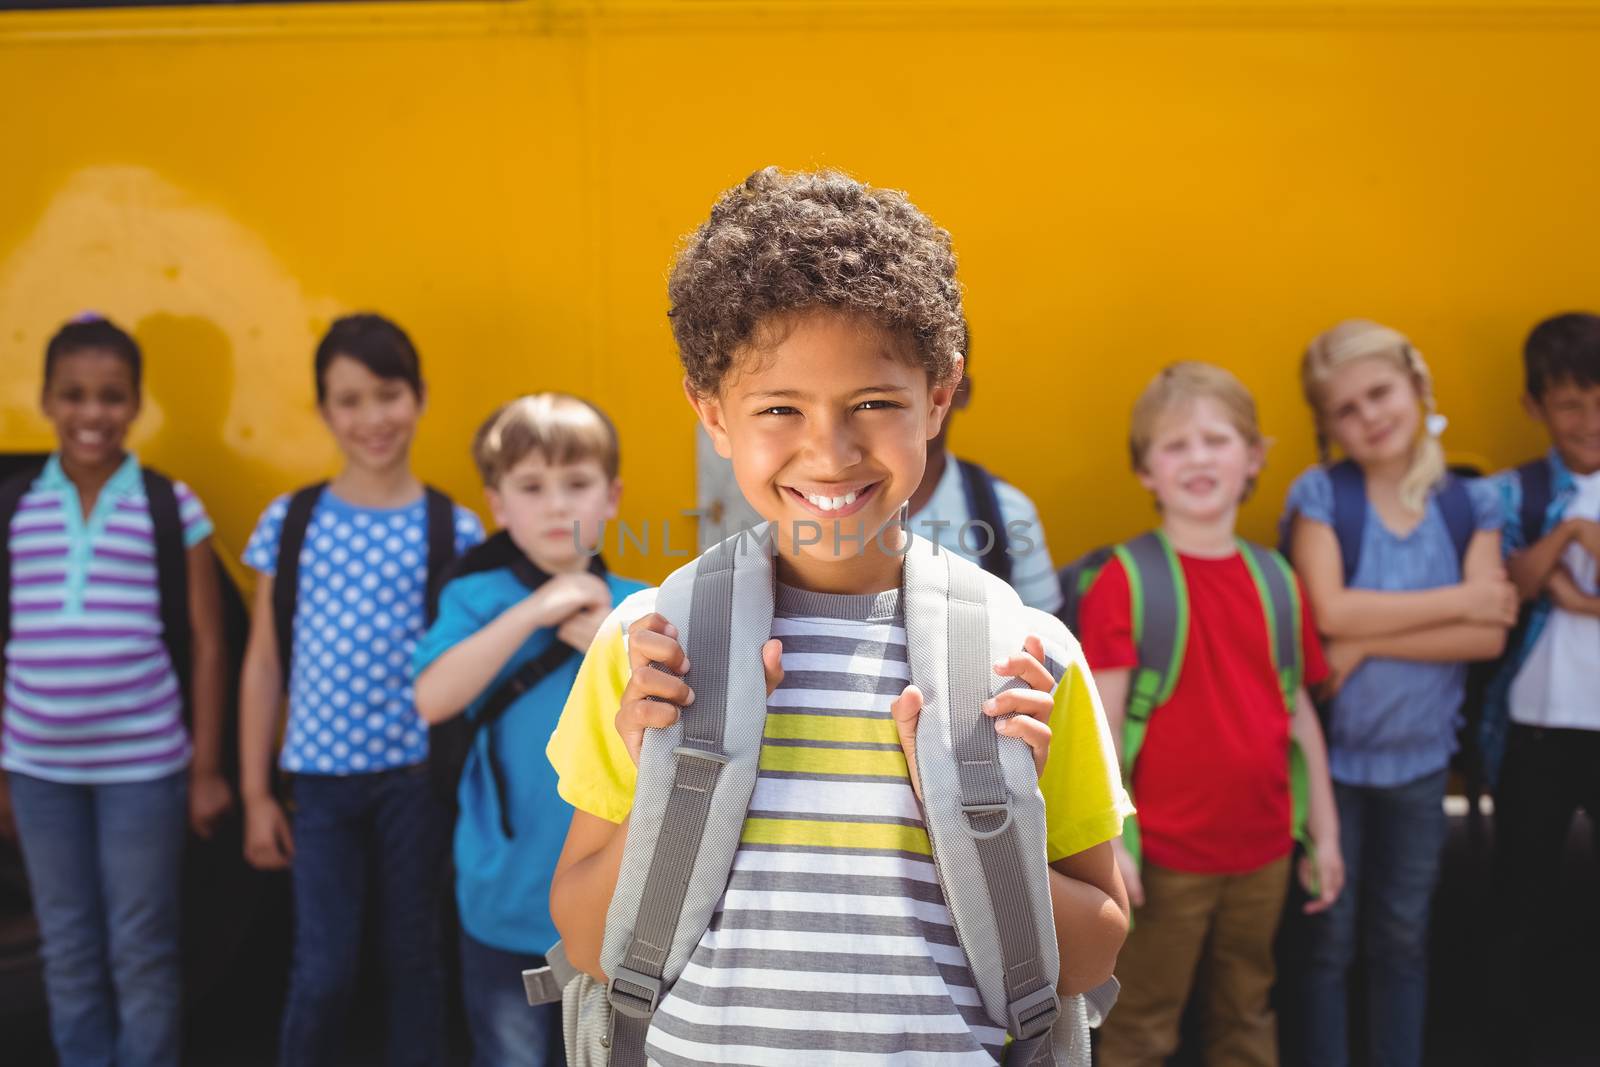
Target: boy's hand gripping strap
1032,1005
636,986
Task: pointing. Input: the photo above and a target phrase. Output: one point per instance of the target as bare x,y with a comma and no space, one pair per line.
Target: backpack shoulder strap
441,544
1159,606
172,574
1280,603
983,504
1349,512
1158,602
1455,505
286,577
1537,491
636,985
12,490
1032,1006
1076,578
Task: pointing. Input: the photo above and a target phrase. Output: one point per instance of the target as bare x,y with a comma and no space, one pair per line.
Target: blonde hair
1357,339
1181,383
565,429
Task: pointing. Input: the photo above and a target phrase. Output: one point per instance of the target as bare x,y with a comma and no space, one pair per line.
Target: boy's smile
1571,414
1199,465
827,426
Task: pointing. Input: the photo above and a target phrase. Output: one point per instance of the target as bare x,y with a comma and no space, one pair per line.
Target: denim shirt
1395,720
1496,722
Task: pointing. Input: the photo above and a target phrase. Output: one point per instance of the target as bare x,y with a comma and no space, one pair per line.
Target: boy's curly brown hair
779,244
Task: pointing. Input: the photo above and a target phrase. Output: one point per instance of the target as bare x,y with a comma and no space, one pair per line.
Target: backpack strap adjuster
978,815
1032,1016
634,993
709,755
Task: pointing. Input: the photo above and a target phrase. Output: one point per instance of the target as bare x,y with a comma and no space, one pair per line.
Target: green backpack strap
1280,601
1159,605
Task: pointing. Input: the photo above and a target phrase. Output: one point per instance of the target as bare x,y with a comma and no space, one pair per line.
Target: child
1547,687
338,640
818,322
526,606
1401,563
103,774
1211,773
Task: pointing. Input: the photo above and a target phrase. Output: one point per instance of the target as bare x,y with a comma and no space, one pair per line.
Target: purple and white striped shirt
90,693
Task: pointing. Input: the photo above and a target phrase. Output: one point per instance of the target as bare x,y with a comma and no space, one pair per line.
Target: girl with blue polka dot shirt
366,828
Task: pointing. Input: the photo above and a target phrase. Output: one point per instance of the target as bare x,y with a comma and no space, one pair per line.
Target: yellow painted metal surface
1127,183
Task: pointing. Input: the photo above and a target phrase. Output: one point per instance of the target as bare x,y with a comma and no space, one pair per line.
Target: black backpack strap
441,544
1537,491
983,504
172,576
286,577
1349,512
12,490
507,693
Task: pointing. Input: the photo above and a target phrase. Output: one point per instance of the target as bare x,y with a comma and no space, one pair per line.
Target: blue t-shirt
359,612
1395,720
503,884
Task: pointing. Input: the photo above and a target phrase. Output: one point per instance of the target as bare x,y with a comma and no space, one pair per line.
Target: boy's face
91,400
1571,414
1371,410
538,503
372,419
1199,464
827,431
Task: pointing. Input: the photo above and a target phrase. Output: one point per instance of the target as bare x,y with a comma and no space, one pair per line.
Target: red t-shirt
1212,779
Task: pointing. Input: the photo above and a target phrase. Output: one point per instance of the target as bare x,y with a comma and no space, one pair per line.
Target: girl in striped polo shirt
103,774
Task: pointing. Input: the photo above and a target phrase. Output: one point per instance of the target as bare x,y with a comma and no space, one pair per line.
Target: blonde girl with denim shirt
1399,628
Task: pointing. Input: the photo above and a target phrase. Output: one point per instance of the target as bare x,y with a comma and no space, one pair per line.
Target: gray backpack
981,801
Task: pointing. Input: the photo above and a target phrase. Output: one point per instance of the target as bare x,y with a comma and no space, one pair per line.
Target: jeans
1548,775
1392,840
357,838
506,1030
104,866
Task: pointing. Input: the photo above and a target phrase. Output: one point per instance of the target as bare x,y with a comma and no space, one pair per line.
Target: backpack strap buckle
1032,1016
633,993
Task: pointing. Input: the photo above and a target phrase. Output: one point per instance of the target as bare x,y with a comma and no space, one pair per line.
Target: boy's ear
1258,459
497,507
613,498
1531,405
941,396
708,409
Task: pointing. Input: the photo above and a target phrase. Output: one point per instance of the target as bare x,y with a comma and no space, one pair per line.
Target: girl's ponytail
1428,466
1356,339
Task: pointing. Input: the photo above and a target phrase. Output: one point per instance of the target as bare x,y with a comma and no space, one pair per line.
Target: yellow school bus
1128,182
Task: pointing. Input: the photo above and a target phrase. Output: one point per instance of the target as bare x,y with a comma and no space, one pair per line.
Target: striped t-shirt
90,692
832,943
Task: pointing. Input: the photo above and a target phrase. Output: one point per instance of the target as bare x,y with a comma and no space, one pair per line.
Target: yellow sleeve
593,770
1084,801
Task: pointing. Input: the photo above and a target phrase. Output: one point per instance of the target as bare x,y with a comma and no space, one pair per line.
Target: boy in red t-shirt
1211,779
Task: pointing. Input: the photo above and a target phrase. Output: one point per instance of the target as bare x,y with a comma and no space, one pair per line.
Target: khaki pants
1214,927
